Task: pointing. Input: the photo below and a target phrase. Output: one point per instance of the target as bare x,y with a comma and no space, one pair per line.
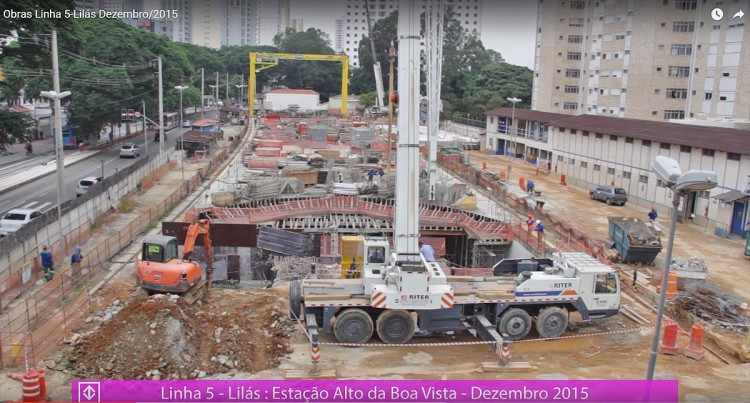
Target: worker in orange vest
529,222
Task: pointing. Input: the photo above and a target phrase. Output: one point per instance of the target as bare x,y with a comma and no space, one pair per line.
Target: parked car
187,123
85,183
14,219
609,194
130,150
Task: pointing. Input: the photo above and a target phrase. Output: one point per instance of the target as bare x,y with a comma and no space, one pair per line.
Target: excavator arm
196,229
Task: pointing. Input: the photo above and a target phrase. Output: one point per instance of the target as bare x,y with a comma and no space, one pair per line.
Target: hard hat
538,221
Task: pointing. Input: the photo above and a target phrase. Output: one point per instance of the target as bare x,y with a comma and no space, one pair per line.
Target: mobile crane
400,293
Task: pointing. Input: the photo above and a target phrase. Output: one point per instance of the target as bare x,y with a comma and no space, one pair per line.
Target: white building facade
354,20
598,150
281,99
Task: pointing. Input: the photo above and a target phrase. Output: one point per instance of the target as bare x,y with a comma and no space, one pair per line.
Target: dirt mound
160,337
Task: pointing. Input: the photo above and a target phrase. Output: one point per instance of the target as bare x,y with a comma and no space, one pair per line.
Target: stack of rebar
715,307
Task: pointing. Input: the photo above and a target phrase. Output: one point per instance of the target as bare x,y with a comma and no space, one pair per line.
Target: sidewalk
17,152
728,267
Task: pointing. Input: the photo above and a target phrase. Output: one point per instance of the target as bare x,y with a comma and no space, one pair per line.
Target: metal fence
34,320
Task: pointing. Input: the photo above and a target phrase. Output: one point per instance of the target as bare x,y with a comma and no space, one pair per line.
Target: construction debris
161,337
689,272
713,306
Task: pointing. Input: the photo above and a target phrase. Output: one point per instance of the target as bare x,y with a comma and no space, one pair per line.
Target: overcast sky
508,26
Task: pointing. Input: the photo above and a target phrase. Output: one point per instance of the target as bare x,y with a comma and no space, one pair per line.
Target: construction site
294,248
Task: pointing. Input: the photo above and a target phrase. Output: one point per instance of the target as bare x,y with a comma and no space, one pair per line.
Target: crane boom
375,62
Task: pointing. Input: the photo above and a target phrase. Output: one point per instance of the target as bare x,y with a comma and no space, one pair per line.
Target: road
43,191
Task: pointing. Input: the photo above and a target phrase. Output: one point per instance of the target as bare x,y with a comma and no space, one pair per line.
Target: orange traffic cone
31,390
669,339
522,183
563,181
672,285
694,349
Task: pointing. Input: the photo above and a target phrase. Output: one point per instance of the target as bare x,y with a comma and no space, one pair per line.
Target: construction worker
539,233
530,187
75,261
48,264
652,215
529,222
427,251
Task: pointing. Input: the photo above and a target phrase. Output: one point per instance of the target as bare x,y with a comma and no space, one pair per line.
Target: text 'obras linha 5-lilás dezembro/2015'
84,13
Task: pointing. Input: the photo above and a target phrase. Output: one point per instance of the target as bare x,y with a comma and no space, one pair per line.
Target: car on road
187,123
14,219
130,150
86,183
609,194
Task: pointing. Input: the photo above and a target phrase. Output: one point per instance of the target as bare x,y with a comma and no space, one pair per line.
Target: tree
322,76
367,99
14,127
384,33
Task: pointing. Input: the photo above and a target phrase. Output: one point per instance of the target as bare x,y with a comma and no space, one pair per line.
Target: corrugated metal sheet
284,242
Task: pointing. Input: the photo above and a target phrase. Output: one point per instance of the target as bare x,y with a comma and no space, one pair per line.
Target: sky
508,26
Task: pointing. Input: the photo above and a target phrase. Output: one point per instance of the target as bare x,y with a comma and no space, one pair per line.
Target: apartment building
645,59
595,150
354,20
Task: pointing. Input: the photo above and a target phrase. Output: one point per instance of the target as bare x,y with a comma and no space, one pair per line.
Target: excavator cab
159,248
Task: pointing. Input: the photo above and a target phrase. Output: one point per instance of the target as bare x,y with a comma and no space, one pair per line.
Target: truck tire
515,324
353,326
395,326
552,322
295,299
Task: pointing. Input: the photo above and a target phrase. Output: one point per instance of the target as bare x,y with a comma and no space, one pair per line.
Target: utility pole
203,88
161,110
182,143
216,96
226,96
145,132
434,18
56,96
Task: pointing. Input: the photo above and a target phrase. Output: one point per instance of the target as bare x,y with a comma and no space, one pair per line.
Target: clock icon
717,14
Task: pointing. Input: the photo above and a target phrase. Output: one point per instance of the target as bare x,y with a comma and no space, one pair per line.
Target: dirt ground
621,355
728,267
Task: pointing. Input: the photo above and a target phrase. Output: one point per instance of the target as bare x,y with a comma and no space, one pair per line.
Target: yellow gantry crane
260,61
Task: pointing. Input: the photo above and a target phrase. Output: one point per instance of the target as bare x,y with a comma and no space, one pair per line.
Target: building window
685,149
674,114
626,174
610,171
571,161
643,178
646,143
733,156
679,71
707,96
560,158
571,89
685,4
572,73
575,38
577,4
570,106
612,137
584,164
628,140
708,153
619,37
585,133
574,55
682,49
683,26
676,93
597,167
599,135
573,131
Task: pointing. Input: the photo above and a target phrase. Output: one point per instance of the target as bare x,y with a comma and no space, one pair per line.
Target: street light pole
56,96
182,143
513,101
664,284
161,110
203,88
145,131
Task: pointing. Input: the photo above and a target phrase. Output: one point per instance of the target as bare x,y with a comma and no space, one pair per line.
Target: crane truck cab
160,269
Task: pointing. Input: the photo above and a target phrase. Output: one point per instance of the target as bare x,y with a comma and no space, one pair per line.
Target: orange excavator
160,270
